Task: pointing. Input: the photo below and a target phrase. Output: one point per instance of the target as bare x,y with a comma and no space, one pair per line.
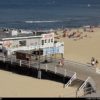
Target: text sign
48,36
53,50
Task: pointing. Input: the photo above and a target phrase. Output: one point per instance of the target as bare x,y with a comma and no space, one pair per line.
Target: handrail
88,90
72,78
66,61
30,63
74,62
83,85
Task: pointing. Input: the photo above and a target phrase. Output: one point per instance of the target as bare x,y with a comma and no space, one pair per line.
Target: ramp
71,80
87,87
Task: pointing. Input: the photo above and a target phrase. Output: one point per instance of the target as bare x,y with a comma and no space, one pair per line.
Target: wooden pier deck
46,67
43,66
70,69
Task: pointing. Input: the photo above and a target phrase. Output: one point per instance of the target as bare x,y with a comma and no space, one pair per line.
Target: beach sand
84,49
14,85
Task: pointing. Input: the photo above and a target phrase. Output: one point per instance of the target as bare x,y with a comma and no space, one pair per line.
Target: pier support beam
4,59
39,74
63,82
39,68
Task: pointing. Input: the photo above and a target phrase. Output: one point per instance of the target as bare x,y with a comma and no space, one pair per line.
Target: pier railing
71,80
72,64
86,89
52,67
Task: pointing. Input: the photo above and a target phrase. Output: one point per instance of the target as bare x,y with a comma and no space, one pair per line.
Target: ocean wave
52,21
55,21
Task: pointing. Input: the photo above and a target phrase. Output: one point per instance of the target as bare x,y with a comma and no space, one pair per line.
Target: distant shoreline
57,29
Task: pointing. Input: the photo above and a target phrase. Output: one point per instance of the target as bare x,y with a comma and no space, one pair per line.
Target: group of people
70,34
88,28
94,62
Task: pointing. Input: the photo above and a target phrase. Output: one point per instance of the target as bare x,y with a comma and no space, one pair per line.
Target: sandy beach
14,85
81,50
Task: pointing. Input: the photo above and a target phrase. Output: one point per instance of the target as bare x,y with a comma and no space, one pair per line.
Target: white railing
82,65
84,84
68,62
86,89
48,67
71,80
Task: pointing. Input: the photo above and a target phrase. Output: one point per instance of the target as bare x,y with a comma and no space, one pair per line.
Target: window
51,40
22,43
45,41
55,41
42,42
37,52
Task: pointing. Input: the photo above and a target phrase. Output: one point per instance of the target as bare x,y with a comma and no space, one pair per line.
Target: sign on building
48,36
53,50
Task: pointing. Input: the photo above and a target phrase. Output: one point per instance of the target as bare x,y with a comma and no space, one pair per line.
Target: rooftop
7,33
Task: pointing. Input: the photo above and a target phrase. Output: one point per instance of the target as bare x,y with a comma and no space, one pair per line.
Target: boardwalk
68,70
83,71
47,67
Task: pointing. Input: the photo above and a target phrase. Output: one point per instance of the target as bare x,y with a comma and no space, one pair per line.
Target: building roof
7,34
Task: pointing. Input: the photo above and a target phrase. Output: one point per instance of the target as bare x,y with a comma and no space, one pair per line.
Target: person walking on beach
96,63
92,61
62,62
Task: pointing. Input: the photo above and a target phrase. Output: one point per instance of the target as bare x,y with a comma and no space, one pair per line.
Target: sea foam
52,21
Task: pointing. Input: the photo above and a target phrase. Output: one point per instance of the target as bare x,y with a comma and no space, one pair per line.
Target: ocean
48,14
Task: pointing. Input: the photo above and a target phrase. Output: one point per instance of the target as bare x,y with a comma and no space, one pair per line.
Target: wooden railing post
55,69
11,61
4,59
29,63
65,72
20,63
46,67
